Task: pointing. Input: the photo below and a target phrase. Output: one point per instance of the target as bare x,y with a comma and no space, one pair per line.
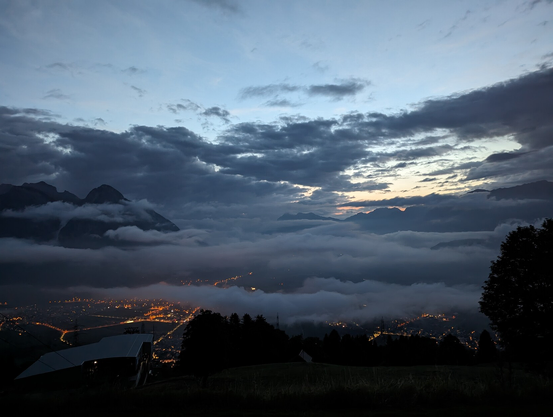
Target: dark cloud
226,6
460,167
457,23
529,5
525,167
188,105
310,152
35,113
82,68
132,70
416,153
139,91
320,66
430,140
217,112
98,121
265,161
361,186
504,156
57,94
518,107
336,91
280,102
60,66
268,90
166,165
423,24
400,165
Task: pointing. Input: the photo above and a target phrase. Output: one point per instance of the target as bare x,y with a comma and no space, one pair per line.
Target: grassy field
313,389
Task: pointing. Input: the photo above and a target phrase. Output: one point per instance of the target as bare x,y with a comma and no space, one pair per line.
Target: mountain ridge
76,232
449,218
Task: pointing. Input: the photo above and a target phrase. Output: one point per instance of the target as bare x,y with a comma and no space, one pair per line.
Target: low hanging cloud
189,237
320,299
126,211
339,250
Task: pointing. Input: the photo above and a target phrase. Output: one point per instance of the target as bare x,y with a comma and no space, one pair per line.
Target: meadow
313,389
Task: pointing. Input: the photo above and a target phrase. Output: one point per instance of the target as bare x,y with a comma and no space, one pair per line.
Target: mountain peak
304,216
42,187
104,194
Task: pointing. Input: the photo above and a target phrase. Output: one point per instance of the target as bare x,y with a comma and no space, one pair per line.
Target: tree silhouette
331,346
518,295
487,352
452,352
204,345
212,343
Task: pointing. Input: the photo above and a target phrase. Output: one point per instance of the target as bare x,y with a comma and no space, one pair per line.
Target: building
305,357
125,357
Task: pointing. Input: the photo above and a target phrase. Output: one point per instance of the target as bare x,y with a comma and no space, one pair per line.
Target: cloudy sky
223,115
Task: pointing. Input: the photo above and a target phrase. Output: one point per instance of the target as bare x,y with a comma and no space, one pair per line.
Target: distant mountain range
534,201
26,212
39,212
305,216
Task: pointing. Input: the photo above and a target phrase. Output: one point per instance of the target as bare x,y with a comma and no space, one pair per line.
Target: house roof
127,345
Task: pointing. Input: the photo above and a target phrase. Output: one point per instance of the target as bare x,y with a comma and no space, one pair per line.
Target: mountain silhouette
104,194
305,216
536,202
17,220
19,197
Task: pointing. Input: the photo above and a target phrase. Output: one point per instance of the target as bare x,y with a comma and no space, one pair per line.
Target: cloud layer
276,164
322,300
275,262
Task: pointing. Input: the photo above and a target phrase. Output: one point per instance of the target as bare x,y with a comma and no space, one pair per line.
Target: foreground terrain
308,389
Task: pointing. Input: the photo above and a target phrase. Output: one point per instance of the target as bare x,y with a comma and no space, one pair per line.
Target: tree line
212,342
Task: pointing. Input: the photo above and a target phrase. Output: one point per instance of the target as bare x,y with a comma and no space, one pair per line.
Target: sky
223,115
